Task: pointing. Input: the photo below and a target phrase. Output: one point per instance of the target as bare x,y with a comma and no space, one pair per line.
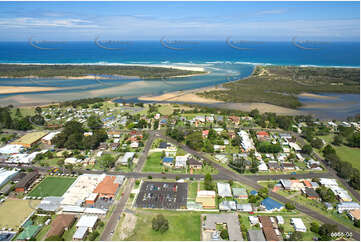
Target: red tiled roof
263,133
107,186
307,183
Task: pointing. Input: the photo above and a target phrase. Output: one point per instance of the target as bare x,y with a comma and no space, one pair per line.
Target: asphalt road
114,218
248,180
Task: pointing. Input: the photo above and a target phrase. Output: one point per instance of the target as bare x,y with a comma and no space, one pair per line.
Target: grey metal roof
256,235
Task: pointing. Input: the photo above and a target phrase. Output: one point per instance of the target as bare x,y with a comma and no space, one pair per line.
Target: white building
224,189
88,221
298,225
6,175
328,182
347,206
181,161
11,149
127,156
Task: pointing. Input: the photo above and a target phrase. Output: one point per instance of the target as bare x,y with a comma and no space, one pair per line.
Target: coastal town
97,169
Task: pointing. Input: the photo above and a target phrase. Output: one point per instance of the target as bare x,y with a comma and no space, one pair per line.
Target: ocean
224,60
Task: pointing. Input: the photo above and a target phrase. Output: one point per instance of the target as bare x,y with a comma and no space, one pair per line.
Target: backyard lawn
183,226
351,155
52,186
13,212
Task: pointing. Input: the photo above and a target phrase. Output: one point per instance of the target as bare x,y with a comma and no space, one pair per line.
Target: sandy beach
14,89
317,96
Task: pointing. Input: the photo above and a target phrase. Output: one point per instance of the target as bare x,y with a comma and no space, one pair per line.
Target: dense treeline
280,85
18,122
83,102
16,71
72,136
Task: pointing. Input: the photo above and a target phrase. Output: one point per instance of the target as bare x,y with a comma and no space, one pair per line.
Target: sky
271,21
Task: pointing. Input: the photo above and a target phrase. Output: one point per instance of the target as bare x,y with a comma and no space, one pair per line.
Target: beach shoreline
24,89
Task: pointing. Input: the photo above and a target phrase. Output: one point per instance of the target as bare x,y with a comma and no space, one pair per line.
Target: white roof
92,197
280,219
50,136
6,175
87,221
328,182
11,149
224,189
295,146
298,223
127,156
80,233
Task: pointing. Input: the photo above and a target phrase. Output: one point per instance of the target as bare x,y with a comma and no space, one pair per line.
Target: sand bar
15,89
317,96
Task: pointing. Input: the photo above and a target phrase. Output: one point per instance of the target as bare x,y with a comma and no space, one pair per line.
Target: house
244,207
194,164
288,166
255,235
7,175
163,145
265,221
28,140
181,161
234,119
347,206
224,189
168,161
298,225
262,167
253,220
341,194
80,234
25,183
205,133
311,194
307,183
60,224
274,166
11,149
328,206
206,198
295,146
271,205
88,221
354,214
108,187
227,206
262,135
240,193
128,156
327,182
219,147
270,234
280,219
72,160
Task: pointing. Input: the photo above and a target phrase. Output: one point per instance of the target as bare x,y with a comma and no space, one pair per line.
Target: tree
195,140
328,150
160,223
325,231
38,110
326,194
290,206
94,122
92,236
224,234
208,183
337,140
354,140
38,119
315,227
263,192
357,223
107,161
317,143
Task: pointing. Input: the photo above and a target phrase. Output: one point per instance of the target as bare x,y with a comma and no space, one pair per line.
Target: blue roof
168,159
271,204
253,192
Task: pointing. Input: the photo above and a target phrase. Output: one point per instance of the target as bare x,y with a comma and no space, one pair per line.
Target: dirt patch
128,225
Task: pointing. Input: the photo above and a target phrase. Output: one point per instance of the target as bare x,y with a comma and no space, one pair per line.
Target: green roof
28,232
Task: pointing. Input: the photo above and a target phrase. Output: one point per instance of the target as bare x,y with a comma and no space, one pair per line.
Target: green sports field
52,186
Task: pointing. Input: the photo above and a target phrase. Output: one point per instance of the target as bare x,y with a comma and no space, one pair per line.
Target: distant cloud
45,22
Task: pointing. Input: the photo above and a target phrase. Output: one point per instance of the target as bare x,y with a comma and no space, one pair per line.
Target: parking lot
167,195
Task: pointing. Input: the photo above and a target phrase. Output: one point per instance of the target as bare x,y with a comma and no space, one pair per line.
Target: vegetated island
91,71
280,85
